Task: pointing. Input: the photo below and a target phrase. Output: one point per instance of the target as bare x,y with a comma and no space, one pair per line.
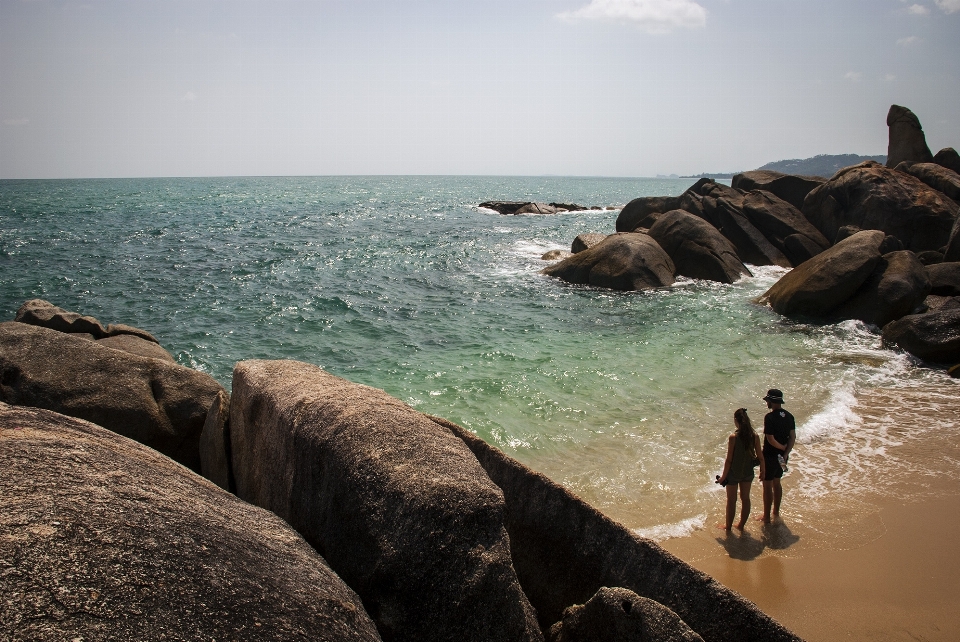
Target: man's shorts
772,465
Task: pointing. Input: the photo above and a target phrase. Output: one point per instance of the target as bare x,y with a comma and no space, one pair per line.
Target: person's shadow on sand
741,545
778,536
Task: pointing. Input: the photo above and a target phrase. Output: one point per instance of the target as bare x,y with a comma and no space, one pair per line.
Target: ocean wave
662,532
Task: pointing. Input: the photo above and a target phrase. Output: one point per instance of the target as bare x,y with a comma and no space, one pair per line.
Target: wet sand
881,566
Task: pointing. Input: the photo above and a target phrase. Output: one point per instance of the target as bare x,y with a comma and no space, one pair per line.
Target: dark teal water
404,284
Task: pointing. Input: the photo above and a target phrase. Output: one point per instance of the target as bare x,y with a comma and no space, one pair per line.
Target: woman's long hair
745,432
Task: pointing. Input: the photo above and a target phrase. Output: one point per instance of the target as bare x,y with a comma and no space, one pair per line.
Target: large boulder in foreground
820,285
778,220
873,197
622,261
698,250
931,336
898,285
398,506
635,213
790,188
159,404
565,551
104,539
907,142
620,615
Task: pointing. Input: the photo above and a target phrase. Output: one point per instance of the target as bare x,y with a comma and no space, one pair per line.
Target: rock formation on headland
860,243
533,207
419,530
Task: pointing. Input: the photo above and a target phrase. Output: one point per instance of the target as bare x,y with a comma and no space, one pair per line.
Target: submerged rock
620,615
820,285
104,539
873,197
698,250
398,506
907,142
623,261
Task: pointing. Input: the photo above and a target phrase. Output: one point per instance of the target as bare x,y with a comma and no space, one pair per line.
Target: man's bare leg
777,496
767,499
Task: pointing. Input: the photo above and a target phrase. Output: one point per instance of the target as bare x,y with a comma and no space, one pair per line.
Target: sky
479,87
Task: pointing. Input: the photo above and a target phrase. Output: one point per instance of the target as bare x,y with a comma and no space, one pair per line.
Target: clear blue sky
572,87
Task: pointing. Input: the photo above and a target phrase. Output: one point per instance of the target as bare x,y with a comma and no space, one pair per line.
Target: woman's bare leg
731,506
744,504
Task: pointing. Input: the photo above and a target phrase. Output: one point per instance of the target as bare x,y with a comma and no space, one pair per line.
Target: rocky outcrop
622,261
945,181
585,242
532,207
787,187
635,213
215,444
556,255
944,278
162,405
898,285
104,539
778,220
752,246
46,315
697,249
932,336
949,158
823,283
397,505
565,551
907,142
620,615
873,197
136,345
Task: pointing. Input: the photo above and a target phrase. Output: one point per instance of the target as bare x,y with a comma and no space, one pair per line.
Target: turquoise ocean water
405,284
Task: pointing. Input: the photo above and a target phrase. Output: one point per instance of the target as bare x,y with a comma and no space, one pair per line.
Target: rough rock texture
820,285
622,261
942,179
932,336
634,213
845,232
949,158
907,142
777,219
136,345
898,285
556,255
620,615
585,242
162,405
536,208
398,506
104,539
930,257
799,248
952,250
944,278
790,188
752,246
565,551
215,444
873,197
46,315
698,249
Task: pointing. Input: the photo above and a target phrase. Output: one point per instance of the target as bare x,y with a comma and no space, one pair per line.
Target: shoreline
876,564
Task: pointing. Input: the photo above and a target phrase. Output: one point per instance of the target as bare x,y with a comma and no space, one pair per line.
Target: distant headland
825,165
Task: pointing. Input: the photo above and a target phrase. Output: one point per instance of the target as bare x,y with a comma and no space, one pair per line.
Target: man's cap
774,396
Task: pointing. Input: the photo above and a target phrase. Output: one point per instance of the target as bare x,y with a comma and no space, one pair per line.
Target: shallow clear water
404,284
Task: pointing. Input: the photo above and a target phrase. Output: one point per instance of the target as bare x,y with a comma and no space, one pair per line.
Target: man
779,436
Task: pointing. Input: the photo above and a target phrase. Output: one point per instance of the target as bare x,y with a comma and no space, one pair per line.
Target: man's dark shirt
778,423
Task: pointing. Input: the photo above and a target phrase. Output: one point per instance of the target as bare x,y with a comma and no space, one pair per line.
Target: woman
743,449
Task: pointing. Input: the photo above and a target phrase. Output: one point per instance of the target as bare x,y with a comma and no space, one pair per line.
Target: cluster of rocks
330,511
532,207
876,243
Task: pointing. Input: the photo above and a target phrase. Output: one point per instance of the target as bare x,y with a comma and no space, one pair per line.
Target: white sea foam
682,528
837,417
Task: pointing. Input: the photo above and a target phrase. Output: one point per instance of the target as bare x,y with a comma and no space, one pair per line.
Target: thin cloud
948,6
655,16
917,10
16,122
908,41
853,76
188,97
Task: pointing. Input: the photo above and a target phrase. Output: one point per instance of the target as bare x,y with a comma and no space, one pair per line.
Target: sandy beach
876,565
